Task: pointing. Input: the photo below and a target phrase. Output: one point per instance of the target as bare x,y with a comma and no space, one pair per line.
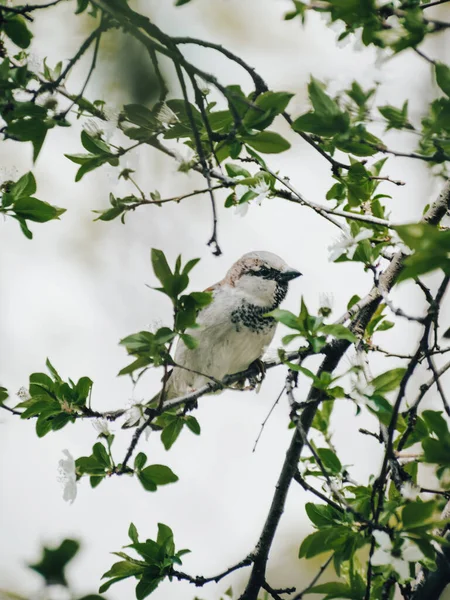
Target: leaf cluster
54,402
157,558
153,348
17,201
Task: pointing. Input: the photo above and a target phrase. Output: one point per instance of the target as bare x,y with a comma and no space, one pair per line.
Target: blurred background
78,287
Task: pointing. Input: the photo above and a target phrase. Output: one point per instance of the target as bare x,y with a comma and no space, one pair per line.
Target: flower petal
411,552
380,557
382,539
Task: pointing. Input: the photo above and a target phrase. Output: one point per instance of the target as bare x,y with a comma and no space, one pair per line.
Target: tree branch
335,352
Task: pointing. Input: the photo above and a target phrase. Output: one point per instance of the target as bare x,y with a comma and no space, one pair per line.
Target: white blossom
35,62
241,210
326,302
261,189
23,394
166,116
358,45
393,33
135,417
381,56
347,244
184,159
8,174
325,16
339,27
409,552
93,127
362,391
155,325
67,476
104,128
101,427
409,490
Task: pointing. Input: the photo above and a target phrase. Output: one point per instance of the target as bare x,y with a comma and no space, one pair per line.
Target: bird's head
262,277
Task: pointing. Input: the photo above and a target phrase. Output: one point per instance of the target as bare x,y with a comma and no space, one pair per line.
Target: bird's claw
256,380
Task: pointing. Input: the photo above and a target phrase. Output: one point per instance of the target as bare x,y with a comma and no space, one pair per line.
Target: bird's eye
264,272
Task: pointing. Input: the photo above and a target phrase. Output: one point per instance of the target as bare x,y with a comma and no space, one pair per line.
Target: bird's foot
256,380
190,405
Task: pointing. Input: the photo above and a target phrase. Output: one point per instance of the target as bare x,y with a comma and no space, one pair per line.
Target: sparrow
233,330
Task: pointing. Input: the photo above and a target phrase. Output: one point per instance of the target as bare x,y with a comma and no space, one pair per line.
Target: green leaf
140,460
29,130
123,569
82,389
353,300
193,425
267,106
101,454
234,170
171,432
267,142
3,394
165,538
321,125
397,117
149,550
94,145
146,586
340,332
329,460
201,299
320,541
321,515
322,103
43,425
133,534
336,590
155,475
436,451
105,586
160,474
417,513
95,480
442,73
189,341
285,317
25,186
389,381
54,561
52,370
436,424
385,325
36,210
327,118
161,267
190,265
140,115
17,31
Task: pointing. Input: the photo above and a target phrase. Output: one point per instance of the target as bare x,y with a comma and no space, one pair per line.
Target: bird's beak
290,274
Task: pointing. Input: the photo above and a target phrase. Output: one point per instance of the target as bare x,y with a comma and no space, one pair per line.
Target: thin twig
27,8
263,424
315,579
436,3
200,581
423,55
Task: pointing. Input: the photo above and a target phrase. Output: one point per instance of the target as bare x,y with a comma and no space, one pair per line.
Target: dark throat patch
252,316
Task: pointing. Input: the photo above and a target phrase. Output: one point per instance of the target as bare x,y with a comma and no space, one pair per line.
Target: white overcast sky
79,287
